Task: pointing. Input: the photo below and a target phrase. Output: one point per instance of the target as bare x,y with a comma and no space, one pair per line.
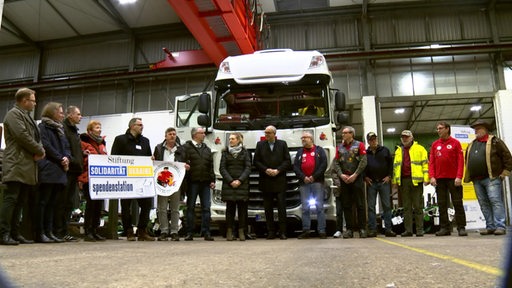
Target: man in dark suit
272,159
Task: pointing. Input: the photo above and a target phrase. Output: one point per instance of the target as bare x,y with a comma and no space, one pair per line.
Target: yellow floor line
484,268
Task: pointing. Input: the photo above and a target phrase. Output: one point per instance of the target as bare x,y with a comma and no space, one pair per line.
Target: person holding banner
235,167
133,143
201,179
52,170
92,143
169,150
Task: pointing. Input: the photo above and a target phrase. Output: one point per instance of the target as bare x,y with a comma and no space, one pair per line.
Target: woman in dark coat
92,143
52,169
235,167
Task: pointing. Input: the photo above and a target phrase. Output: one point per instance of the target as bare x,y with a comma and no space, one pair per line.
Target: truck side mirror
204,120
204,103
343,118
339,101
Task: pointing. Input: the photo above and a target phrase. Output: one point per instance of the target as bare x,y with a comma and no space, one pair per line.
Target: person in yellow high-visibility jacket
410,170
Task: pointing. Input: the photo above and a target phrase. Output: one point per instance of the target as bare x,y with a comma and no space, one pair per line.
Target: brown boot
229,234
130,236
241,234
144,236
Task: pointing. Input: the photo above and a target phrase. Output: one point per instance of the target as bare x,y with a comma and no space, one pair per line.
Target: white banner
168,177
121,177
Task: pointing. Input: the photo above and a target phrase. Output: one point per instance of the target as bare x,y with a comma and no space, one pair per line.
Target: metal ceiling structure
225,28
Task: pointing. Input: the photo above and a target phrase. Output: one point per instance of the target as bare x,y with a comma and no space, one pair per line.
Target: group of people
487,162
53,157
47,155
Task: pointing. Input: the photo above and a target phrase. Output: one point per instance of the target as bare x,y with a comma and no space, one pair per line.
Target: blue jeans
384,191
203,190
312,191
489,194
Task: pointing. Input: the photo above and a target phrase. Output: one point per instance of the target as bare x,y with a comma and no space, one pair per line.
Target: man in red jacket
446,166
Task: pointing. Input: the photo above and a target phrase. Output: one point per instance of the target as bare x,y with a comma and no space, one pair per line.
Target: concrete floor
473,261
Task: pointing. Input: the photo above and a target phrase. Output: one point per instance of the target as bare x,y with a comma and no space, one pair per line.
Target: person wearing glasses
446,167
133,143
272,159
201,179
23,147
349,166
309,166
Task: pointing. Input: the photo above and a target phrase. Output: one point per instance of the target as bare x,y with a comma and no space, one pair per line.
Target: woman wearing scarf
92,143
235,167
52,169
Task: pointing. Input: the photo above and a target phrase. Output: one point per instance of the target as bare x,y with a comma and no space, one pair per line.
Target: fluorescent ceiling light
475,108
399,111
123,2
391,130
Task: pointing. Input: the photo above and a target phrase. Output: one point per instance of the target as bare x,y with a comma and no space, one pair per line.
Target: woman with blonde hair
235,167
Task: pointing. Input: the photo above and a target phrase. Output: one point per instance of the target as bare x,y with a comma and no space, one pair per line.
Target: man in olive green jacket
22,149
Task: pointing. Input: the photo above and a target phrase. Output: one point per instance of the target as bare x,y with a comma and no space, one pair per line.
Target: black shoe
98,237
443,232
189,237
42,238
22,240
55,238
406,234
208,237
304,235
462,231
390,233
362,233
282,236
419,234
348,234
69,238
249,237
372,234
89,238
322,235
175,237
162,237
271,236
7,240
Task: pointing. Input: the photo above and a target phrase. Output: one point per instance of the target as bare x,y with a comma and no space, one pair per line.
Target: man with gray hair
349,165
201,179
68,200
309,166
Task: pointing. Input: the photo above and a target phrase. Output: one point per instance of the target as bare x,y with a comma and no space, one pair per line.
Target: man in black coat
133,143
200,179
272,159
68,200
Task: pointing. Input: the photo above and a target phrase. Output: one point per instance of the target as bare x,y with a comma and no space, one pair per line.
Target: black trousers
351,194
145,206
445,191
231,207
92,211
268,204
66,202
14,198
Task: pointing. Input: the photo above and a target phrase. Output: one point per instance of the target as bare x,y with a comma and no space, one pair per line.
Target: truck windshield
284,106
